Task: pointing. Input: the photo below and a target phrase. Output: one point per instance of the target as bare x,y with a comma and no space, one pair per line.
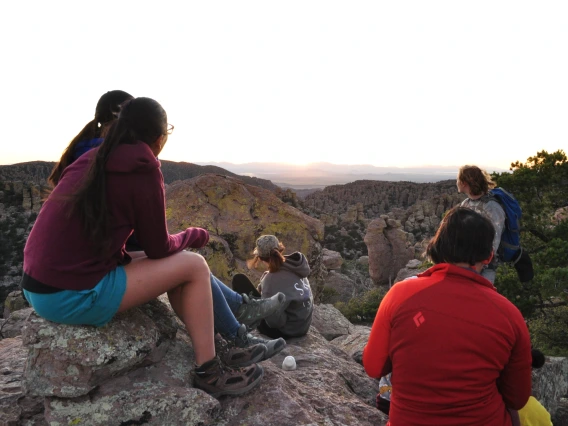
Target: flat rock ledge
137,370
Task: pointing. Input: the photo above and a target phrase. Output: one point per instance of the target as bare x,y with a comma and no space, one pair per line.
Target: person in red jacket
459,351
76,268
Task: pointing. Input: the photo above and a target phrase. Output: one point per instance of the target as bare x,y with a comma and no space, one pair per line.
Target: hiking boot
217,379
272,346
233,355
252,311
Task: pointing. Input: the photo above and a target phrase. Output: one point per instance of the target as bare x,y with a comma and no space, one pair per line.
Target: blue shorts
95,306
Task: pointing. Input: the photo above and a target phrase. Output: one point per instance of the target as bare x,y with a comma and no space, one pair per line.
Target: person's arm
376,353
515,381
150,224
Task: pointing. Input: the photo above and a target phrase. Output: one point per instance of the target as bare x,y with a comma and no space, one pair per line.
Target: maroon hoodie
58,253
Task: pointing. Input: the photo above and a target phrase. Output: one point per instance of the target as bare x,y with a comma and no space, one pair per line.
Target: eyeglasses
169,129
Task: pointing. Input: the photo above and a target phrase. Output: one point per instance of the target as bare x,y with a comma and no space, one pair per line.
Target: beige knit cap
265,244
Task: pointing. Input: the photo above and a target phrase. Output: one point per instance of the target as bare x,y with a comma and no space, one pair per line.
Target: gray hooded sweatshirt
291,280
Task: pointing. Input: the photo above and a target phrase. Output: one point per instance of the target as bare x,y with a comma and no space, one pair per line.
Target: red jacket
58,253
459,351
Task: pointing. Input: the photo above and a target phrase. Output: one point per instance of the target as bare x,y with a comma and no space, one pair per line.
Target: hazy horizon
392,83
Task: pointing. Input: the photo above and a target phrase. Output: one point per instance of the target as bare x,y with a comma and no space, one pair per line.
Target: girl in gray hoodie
289,275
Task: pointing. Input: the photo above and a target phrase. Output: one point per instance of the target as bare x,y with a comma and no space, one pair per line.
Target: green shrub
549,331
362,308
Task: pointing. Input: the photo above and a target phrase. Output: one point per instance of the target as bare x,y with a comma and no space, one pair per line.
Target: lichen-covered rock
13,325
329,322
327,388
160,394
239,213
70,361
550,383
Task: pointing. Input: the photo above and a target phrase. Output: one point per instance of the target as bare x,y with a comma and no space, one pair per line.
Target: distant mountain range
37,172
319,175
266,175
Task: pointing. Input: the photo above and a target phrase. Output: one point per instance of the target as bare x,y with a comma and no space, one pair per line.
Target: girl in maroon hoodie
76,270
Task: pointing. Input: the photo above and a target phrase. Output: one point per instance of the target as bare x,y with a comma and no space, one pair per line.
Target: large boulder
237,214
338,288
329,322
327,387
71,361
389,249
331,259
154,395
354,342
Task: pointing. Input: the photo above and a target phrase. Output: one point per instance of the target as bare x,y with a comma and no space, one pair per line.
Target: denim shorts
95,306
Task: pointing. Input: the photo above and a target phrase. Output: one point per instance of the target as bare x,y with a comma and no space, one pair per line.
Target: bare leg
185,276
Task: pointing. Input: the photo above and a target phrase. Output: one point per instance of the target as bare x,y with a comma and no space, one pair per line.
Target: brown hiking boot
217,379
234,355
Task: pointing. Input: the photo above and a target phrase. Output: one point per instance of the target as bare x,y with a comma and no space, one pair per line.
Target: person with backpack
459,352
476,183
504,212
235,346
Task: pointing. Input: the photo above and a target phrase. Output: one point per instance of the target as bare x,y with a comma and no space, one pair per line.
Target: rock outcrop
331,259
235,214
389,249
338,288
141,375
412,268
329,322
375,198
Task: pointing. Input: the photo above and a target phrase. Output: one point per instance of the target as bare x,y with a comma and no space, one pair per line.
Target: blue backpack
510,245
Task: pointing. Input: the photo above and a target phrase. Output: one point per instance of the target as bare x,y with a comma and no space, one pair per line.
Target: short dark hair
478,180
464,236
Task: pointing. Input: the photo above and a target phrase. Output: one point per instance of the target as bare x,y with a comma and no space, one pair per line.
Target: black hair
464,236
108,108
141,119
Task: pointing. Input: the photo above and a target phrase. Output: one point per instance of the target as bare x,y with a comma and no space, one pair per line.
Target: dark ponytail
106,111
141,119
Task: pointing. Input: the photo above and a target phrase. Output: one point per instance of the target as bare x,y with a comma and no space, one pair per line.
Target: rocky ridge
137,370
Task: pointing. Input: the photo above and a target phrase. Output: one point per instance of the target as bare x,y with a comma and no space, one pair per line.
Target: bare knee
196,266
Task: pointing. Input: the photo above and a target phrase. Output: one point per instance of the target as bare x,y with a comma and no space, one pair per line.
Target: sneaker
233,355
217,379
253,310
272,346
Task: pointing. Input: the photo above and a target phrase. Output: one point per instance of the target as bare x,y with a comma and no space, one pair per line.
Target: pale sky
388,83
